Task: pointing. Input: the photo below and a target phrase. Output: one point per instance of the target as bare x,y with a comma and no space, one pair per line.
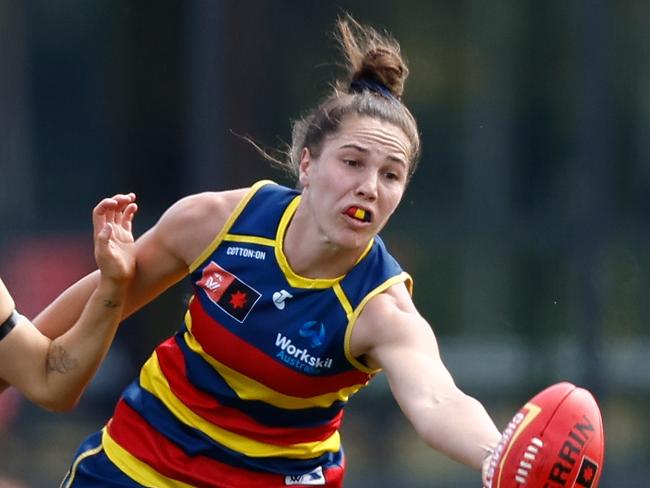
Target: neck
311,254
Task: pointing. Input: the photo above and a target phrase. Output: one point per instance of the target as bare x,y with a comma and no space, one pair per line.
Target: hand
112,232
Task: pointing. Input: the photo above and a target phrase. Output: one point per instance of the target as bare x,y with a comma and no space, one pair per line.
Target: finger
124,197
110,210
127,216
99,213
123,201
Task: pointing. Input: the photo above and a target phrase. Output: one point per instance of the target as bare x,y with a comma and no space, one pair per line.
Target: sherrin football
556,440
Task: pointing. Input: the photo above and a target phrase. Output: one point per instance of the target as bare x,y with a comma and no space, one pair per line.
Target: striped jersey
251,390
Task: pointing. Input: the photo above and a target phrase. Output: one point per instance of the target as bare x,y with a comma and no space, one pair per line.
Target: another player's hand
112,231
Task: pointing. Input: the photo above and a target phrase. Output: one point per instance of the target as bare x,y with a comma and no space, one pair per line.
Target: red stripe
250,361
135,435
206,406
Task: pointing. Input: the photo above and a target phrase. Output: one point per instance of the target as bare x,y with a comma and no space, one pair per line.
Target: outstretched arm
163,255
54,373
392,335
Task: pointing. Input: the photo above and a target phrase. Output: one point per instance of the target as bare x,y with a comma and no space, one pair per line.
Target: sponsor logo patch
313,478
228,292
300,354
245,252
279,297
315,331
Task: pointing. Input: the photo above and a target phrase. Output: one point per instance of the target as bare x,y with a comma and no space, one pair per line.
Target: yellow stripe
366,251
233,216
533,411
249,239
75,465
248,389
293,278
400,278
153,380
131,466
345,303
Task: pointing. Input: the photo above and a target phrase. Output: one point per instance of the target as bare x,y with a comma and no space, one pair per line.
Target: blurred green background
525,227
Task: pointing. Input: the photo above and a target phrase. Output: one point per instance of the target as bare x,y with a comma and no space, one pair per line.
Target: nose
367,187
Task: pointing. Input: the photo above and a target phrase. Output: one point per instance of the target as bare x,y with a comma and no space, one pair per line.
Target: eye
351,162
393,176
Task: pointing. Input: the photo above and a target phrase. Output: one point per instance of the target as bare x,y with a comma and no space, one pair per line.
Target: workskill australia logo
300,354
315,331
228,292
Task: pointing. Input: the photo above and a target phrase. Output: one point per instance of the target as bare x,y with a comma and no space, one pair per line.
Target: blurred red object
36,270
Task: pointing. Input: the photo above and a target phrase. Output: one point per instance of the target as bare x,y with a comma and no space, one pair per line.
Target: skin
54,373
364,165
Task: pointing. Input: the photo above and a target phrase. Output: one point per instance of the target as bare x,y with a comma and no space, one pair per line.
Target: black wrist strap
9,324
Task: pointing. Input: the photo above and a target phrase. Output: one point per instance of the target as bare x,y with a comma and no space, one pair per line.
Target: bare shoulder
389,319
190,224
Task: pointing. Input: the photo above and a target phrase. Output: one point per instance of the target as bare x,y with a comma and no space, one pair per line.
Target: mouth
359,214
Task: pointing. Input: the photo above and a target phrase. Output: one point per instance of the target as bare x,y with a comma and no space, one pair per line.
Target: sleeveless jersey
251,390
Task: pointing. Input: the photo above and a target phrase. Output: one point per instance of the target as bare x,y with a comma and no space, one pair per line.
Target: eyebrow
364,150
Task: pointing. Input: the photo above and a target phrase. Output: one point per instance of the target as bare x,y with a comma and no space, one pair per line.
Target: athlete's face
353,186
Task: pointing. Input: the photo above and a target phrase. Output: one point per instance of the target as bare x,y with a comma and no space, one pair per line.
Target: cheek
392,201
394,195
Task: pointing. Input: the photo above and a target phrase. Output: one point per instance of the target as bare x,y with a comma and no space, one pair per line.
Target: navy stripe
194,442
373,270
323,304
205,378
97,470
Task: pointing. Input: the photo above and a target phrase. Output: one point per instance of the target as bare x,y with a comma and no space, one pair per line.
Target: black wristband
9,324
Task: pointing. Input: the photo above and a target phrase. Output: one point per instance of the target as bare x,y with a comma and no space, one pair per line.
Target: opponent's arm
54,373
391,334
163,255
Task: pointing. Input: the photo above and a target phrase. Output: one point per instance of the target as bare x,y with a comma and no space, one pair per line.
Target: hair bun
385,67
372,56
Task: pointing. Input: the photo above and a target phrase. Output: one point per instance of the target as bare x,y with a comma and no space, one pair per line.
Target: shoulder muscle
390,320
191,224
165,251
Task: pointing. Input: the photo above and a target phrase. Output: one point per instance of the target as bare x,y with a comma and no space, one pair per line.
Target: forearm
73,358
458,426
58,317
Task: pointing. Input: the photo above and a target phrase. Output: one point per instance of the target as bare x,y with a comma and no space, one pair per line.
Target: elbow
62,405
56,403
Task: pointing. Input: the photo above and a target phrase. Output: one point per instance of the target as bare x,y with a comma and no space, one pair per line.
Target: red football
556,440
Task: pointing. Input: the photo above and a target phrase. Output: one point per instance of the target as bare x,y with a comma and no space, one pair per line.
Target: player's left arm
392,335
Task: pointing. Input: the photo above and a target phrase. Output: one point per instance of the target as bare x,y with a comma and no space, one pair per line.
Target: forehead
373,135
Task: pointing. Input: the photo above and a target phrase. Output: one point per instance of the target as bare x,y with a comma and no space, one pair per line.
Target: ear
304,168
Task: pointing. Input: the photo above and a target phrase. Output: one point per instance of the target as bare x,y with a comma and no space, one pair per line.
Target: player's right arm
163,256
